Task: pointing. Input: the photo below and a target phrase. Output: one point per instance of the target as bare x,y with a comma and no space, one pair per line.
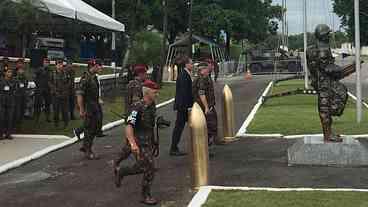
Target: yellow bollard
199,147
228,115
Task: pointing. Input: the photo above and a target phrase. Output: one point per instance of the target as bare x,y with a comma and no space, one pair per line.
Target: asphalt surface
63,178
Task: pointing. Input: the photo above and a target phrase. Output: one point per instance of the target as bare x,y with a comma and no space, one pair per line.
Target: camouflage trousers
133,165
91,126
211,119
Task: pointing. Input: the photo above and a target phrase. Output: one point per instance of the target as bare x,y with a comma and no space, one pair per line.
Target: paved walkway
11,150
64,178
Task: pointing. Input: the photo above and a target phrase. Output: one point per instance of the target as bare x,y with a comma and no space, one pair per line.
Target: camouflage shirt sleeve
135,114
82,87
202,86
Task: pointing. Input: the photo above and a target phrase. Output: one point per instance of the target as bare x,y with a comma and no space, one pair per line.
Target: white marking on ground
201,196
243,128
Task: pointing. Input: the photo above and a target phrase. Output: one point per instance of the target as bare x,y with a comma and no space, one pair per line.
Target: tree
23,18
345,10
240,19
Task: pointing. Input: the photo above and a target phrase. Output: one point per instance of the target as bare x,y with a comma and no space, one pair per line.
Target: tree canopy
345,10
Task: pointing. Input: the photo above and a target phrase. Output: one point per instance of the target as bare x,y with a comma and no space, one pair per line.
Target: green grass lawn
115,104
286,199
298,114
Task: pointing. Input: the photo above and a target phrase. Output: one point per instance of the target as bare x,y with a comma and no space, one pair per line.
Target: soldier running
139,141
88,103
134,88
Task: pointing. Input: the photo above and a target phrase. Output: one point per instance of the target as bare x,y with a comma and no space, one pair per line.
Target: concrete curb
39,136
70,141
201,196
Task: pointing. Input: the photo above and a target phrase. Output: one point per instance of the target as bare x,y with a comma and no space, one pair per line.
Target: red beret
140,68
150,84
93,62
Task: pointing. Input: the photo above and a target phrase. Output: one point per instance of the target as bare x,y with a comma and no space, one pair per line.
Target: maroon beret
150,84
140,68
93,62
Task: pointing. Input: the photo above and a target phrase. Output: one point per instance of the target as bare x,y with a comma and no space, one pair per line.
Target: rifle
341,72
160,123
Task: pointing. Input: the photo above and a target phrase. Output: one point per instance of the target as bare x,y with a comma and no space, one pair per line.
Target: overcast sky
318,11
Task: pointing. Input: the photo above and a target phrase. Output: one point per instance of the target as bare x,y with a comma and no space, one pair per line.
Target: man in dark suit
183,102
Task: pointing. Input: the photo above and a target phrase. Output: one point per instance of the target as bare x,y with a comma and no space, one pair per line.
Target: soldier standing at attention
71,76
204,95
134,88
20,93
42,92
4,65
8,87
88,103
60,92
139,141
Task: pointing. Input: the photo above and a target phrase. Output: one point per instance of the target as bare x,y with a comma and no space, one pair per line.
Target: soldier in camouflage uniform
204,95
88,103
140,142
20,94
8,87
134,88
59,84
4,65
332,95
71,76
42,92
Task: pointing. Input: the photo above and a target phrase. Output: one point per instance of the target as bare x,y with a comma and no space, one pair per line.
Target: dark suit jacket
183,96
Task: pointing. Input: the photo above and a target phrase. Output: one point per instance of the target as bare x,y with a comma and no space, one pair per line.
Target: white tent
78,9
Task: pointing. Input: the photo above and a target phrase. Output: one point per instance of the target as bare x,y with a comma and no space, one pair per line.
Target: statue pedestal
313,151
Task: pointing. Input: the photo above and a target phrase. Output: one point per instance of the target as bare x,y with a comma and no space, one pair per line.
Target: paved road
63,178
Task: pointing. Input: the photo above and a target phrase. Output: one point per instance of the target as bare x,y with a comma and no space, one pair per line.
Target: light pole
164,38
357,61
306,78
190,2
113,42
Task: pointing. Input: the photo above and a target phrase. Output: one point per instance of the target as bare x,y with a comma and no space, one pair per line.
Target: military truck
263,61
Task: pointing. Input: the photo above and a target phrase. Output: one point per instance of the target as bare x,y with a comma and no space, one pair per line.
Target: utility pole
190,54
283,24
164,38
113,43
306,78
357,61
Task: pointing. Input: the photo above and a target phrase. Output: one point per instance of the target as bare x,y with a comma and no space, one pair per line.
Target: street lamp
190,4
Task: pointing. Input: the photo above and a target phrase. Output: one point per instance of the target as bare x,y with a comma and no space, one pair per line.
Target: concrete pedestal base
313,151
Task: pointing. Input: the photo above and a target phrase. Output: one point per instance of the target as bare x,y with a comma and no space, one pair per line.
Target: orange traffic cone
248,75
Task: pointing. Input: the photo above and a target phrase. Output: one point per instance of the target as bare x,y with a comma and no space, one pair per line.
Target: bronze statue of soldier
325,76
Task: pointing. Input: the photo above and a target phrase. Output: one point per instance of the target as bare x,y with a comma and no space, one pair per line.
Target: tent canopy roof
78,9
184,42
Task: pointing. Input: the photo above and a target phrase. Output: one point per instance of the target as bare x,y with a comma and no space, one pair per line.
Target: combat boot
91,156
